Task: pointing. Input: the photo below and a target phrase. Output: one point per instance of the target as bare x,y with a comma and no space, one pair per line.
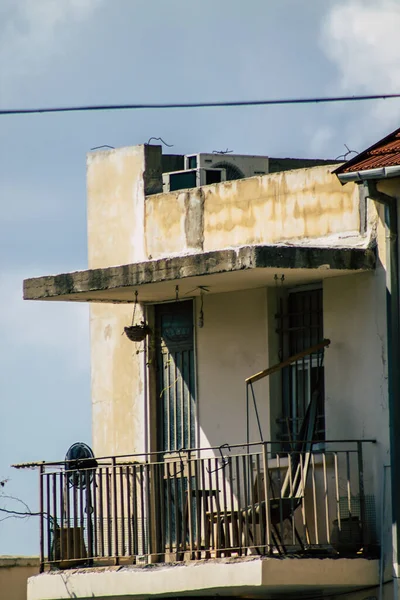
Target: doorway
175,408
175,378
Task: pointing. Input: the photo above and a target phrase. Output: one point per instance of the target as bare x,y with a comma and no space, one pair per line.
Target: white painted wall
356,361
356,401
232,345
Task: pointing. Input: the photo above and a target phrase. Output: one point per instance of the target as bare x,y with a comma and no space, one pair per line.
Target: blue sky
60,52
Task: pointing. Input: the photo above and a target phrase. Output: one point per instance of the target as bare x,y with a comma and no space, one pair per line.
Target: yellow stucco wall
117,373
14,573
115,206
115,197
127,225
390,186
231,346
260,210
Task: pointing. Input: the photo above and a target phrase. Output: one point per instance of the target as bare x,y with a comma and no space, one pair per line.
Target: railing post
122,502
189,501
361,490
89,510
148,508
41,518
55,541
115,512
266,496
62,524
50,521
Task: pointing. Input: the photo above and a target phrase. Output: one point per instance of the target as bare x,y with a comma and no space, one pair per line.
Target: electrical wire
212,104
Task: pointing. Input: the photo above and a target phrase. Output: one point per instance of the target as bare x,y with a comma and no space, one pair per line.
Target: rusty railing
198,504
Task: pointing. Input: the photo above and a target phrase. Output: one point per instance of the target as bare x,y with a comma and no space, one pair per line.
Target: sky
72,52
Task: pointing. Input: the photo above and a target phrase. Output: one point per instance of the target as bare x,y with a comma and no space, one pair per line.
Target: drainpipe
393,335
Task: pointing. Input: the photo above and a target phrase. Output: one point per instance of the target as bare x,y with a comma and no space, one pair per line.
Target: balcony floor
244,577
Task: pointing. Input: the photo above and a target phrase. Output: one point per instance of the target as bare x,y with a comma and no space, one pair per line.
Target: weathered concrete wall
127,225
240,578
261,210
118,392
231,346
117,182
156,279
14,574
175,222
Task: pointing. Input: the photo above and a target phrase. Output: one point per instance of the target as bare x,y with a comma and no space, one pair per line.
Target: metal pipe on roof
381,173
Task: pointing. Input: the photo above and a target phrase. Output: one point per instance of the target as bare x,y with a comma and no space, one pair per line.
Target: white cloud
360,37
320,140
32,32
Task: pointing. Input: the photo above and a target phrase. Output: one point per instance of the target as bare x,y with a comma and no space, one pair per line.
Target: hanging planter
136,333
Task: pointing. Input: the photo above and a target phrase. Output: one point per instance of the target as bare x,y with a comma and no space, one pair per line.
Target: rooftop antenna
103,146
161,140
222,151
346,154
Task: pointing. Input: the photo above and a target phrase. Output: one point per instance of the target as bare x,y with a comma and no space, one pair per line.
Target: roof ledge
99,285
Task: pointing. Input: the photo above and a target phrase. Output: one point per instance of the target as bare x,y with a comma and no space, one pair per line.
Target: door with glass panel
175,409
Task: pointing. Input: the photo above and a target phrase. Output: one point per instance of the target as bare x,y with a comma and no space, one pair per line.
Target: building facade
243,417
14,574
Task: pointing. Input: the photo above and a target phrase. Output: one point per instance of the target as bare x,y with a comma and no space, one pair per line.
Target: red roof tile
385,153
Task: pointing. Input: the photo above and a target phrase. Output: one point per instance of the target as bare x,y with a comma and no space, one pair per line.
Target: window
300,326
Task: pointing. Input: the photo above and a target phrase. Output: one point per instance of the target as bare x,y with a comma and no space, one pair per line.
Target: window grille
300,326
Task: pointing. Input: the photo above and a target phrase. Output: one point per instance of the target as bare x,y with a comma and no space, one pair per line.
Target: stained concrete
196,265
240,578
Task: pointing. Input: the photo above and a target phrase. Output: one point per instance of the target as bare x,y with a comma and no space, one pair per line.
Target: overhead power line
158,106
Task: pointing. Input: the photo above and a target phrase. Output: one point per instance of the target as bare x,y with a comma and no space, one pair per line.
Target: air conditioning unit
236,166
190,178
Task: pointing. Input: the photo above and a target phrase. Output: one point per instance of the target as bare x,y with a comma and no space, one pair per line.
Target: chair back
299,457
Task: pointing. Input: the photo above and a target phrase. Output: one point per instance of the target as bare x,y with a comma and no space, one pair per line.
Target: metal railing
204,503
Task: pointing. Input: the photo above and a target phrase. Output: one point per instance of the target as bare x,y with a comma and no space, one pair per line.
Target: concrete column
117,184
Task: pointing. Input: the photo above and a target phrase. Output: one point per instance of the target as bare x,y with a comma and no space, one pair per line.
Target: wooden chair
283,503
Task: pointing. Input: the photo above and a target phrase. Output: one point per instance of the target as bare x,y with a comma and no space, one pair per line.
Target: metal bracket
225,459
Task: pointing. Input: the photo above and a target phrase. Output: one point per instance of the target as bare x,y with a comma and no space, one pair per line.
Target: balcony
240,501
